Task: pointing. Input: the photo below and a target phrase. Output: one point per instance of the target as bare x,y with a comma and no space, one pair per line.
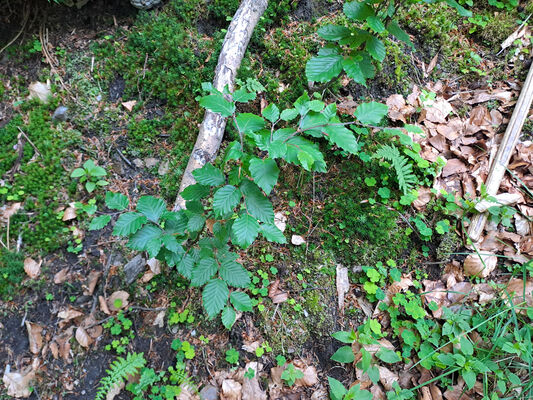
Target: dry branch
505,151
213,126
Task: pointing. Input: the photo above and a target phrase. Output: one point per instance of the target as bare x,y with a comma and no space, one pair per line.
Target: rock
163,168
138,163
60,114
151,162
133,268
209,392
144,4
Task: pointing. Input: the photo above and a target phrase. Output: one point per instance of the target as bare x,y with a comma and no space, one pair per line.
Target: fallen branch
213,126
505,151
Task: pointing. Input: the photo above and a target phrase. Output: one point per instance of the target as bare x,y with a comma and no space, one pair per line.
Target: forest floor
361,255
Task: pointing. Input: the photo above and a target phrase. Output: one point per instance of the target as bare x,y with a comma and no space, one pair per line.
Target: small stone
60,114
138,163
280,220
209,392
151,162
144,4
133,268
163,168
297,240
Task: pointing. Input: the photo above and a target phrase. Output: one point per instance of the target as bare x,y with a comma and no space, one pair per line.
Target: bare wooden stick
505,151
213,126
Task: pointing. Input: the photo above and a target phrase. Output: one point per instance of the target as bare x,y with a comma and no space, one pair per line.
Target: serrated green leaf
99,222
376,48
215,296
344,355
151,207
203,271
245,230
233,152
394,29
249,123
289,114
257,204
353,69
265,173
358,11
139,241
208,175
228,317
116,201
342,137
333,32
413,129
195,192
196,223
306,160
175,222
185,266
272,233
323,68
128,223
271,112
241,301
337,390
375,24
171,243
153,246
243,96
225,200
234,274
387,355
218,104
371,113
463,12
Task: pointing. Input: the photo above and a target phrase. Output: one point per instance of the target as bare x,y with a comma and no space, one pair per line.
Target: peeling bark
213,126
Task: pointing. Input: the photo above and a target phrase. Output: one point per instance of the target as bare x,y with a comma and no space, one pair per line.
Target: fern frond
404,170
118,371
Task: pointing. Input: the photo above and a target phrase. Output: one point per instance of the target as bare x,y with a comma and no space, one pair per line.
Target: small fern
118,371
404,170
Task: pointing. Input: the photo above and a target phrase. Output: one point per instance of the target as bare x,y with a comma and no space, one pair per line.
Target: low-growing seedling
291,374
232,356
91,174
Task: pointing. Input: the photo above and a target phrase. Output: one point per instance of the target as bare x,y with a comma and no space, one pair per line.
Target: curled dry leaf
502,199
387,377
310,377
35,337
424,196
297,240
32,267
452,167
159,319
40,91
103,305
83,338
92,280
118,300
69,214
231,390
155,265
276,294
280,220
251,390
522,225
521,292
480,265
128,105
8,212
61,276
18,384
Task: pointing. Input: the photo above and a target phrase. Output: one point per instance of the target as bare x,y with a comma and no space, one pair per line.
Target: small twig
30,142
125,159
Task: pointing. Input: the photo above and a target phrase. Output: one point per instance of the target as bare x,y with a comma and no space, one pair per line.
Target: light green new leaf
99,222
245,229
272,233
333,32
228,317
215,296
225,200
271,112
139,241
151,207
218,104
128,223
241,301
376,48
413,129
116,201
249,123
203,271
323,68
344,336
265,173
358,11
306,160
353,69
208,175
387,355
234,274
243,96
77,173
371,113
257,203
344,355
233,152
342,137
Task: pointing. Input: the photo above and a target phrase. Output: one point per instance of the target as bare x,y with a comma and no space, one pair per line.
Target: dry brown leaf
69,314
118,300
115,390
517,34
343,285
437,111
387,377
103,305
231,390
92,280
69,214
83,338
280,220
377,393
8,212
435,291
251,390
32,267
452,167
276,295
297,240
431,65
61,276
523,292
480,265
18,384
128,105
522,225
159,320
40,91
155,265
459,291
35,337
501,199
424,197
54,349
310,377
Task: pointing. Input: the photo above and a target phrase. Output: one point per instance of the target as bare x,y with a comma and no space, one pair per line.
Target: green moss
448,245
11,272
39,178
499,27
